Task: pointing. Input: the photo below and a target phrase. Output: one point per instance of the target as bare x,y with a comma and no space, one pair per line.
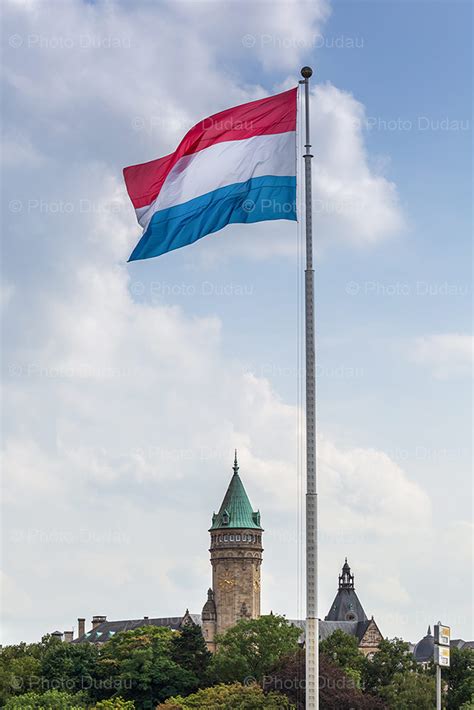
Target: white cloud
446,355
18,152
372,494
352,202
278,35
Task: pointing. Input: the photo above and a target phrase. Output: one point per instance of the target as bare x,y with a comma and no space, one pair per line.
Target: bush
51,700
115,704
229,697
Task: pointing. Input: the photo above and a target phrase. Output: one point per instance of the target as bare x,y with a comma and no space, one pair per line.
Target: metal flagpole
312,631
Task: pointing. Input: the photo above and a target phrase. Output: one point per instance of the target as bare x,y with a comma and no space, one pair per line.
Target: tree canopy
392,657
229,697
460,678
48,700
259,665
248,650
338,691
410,690
140,667
189,650
343,650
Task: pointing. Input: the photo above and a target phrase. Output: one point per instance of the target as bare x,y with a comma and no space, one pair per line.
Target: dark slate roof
424,649
236,510
104,632
327,628
346,607
460,643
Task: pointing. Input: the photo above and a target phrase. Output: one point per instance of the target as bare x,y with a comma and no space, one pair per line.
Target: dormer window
225,518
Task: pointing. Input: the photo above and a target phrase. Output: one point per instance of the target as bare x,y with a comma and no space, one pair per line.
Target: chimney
97,620
68,636
81,627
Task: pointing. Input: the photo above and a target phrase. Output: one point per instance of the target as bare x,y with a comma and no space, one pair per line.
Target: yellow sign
442,635
442,656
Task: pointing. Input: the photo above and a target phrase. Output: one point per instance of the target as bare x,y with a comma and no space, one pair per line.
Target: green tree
114,704
229,697
20,667
137,665
189,650
392,657
51,700
343,650
410,690
251,648
17,675
69,667
459,678
337,691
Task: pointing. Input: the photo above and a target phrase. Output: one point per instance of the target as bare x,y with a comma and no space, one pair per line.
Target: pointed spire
428,633
236,510
346,579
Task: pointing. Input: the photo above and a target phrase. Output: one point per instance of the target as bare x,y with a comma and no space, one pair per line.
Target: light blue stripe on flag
256,200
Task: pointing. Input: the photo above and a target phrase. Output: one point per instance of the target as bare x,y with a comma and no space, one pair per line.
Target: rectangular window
226,538
237,538
232,538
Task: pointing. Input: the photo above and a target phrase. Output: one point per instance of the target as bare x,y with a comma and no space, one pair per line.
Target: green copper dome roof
236,510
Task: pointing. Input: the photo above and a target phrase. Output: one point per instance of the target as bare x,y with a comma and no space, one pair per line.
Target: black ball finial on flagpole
306,72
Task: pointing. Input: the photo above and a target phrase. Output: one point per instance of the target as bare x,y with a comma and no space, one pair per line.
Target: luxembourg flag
238,166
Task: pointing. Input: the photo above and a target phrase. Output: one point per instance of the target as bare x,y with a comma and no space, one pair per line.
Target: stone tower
236,558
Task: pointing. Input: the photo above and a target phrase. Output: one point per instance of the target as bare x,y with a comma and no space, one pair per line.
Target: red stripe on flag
275,114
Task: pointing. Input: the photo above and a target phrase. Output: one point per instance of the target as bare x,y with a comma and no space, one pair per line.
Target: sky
126,387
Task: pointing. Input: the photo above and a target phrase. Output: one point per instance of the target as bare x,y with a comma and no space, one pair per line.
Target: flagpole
312,631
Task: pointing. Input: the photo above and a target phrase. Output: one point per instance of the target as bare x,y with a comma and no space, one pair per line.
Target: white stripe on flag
224,164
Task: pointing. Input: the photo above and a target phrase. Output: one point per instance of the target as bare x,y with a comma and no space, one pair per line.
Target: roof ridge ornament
236,465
